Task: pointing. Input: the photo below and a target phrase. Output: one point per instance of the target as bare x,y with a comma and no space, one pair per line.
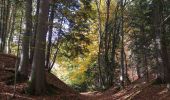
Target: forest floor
138,90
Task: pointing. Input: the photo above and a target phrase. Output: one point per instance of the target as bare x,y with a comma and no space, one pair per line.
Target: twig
165,20
17,60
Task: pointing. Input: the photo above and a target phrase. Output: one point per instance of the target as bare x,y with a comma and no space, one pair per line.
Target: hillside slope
138,90
60,91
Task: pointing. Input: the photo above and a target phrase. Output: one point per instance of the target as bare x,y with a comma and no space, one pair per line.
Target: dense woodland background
91,45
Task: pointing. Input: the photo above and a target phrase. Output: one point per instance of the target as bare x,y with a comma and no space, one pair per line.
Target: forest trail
138,90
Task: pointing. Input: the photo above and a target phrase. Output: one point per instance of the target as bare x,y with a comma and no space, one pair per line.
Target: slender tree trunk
24,62
50,34
6,10
33,40
1,12
6,48
126,70
106,47
100,44
18,53
11,29
57,47
138,70
122,45
114,41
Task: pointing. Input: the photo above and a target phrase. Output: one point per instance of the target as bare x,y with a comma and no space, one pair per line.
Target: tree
106,41
5,9
24,62
141,36
161,41
37,78
33,36
51,19
122,42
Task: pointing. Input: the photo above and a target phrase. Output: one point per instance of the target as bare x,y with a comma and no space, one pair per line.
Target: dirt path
138,90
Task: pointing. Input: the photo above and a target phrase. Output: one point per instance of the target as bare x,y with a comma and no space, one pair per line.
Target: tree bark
33,39
50,35
24,61
37,78
122,45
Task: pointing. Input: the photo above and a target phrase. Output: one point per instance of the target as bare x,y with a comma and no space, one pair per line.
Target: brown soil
7,69
138,90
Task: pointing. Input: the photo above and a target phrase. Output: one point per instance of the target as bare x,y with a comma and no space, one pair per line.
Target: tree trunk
24,61
122,78
57,47
5,18
37,78
161,45
33,39
50,35
138,70
11,29
100,44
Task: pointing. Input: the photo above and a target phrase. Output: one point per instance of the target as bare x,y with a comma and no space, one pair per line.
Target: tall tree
51,19
24,62
11,27
122,42
5,9
161,41
37,78
33,36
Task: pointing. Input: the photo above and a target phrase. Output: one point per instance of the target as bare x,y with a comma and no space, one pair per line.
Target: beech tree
33,36
37,78
24,62
5,12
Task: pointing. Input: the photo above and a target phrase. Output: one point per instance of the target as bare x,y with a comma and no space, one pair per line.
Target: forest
84,49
